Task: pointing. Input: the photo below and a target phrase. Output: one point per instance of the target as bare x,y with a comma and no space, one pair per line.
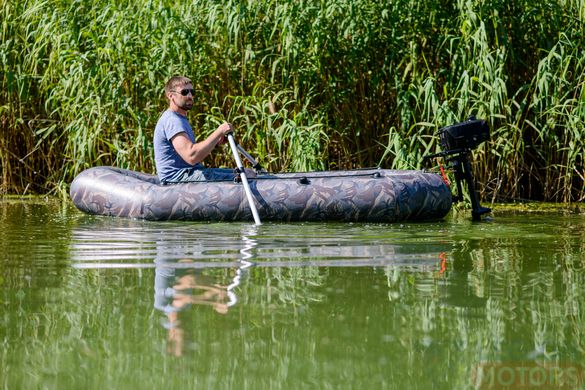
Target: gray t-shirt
167,160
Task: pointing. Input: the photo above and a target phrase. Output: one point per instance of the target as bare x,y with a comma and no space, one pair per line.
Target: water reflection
247,254
176,289
180,283
130,244
201,271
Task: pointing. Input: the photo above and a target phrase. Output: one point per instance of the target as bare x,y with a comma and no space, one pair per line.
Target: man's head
179,91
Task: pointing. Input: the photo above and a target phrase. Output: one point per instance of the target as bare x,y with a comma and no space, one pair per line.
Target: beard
186,106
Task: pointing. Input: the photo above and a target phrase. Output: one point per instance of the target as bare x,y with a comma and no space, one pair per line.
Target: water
94,302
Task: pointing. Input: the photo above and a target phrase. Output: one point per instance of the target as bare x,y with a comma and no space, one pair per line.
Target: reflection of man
178,288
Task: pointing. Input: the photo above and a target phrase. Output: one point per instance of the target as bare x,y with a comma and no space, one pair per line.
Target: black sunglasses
185,92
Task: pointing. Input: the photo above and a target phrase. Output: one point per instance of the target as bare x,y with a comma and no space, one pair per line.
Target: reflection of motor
458,141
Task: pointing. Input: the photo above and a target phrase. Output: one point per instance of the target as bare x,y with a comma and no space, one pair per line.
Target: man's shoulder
170,116
170,124
170,119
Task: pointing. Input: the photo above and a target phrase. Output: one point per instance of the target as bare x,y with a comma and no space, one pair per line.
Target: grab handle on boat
240,166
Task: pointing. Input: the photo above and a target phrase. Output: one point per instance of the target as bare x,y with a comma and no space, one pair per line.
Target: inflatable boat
374,195
366,195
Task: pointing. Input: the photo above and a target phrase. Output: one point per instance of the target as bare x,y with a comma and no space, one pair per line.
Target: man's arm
194,153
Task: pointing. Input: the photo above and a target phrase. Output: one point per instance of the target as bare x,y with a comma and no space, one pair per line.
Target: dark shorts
201,174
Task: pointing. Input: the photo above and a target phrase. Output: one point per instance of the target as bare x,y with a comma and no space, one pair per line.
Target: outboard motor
457,142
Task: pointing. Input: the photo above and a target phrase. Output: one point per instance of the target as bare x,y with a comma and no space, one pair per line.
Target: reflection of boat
375,195
133,244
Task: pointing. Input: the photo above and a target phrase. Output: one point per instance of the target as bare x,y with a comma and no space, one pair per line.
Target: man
177,156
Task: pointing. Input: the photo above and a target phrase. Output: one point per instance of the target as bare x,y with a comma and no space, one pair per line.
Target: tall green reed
558,107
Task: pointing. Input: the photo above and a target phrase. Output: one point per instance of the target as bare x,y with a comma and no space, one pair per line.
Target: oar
240,166
254,163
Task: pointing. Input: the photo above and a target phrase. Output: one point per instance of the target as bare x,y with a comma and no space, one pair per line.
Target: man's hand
225,129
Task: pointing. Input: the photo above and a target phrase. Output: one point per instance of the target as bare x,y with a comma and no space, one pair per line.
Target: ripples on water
285,305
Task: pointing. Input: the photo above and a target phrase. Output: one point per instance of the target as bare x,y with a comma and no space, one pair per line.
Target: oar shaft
244,179
252,160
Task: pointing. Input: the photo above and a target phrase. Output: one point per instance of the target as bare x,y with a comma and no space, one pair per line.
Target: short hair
175,82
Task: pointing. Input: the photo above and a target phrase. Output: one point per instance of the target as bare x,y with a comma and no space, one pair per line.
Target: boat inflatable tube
371,195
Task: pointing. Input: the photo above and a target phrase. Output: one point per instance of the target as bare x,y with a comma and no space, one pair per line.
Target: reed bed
308,85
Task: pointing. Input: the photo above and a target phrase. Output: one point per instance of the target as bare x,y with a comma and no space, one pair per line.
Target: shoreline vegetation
309,85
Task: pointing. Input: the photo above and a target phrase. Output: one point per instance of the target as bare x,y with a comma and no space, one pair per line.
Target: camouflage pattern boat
372,195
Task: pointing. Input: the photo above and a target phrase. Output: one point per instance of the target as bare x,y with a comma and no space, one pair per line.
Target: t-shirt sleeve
172,127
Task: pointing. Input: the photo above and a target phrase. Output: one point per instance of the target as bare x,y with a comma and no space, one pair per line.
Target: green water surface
103,303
